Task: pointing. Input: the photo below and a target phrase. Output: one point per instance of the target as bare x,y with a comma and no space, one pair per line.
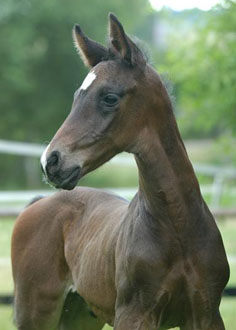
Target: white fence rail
21,149
12,203
218,173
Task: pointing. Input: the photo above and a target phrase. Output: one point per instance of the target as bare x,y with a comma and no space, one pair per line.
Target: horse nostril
53,159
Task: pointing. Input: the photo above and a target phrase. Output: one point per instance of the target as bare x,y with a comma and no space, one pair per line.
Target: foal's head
110,110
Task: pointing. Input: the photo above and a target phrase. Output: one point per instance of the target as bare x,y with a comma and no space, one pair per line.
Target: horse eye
110,99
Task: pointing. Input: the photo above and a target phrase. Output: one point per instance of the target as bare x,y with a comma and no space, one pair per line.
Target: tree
40,69
202,65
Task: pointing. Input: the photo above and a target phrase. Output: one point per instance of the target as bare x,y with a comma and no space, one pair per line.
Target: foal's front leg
216,324
134,320
131,320
135,317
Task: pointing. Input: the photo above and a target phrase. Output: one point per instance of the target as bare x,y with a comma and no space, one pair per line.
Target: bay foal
155,263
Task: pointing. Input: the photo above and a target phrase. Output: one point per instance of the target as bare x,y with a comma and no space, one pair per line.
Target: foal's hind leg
39,269
38,311
38,298
77,316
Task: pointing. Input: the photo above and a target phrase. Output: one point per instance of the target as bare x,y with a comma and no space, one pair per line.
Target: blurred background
191,43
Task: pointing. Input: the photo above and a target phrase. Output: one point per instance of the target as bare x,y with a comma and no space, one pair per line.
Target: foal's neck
168,187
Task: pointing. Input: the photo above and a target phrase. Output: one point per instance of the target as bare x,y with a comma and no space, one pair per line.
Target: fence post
216,191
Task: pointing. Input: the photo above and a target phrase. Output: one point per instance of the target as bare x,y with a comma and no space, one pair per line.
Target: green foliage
223,151
201,60
40,69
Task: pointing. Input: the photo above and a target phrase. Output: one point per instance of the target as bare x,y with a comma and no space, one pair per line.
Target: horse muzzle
57,176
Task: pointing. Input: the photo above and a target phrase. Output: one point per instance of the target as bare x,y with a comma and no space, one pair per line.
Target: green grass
228,308
6,226
6,282
228,232
6,318
228,304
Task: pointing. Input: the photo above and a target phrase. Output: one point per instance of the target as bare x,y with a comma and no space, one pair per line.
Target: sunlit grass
6,282
228,308
6,226
6,318
228,232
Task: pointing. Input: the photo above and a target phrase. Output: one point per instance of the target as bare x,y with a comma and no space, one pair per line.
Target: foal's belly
94,281
94,273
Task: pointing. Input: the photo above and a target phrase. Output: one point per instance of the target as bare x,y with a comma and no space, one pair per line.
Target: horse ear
120,43
90,51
